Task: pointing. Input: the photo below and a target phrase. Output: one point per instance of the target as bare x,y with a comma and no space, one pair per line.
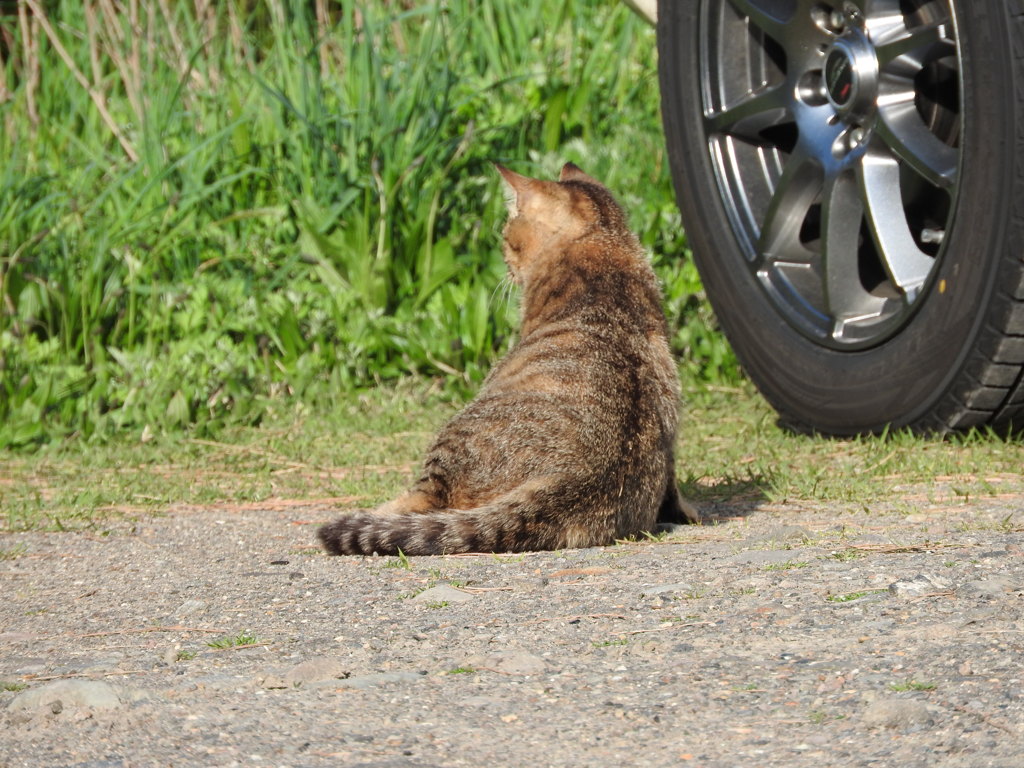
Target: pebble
442,593
896,713
189,608
377,679
316,670
994,587
660,589
509,663
94,694
780,534
763,557
920,584
554,656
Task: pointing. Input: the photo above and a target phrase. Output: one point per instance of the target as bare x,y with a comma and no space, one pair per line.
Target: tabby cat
570,441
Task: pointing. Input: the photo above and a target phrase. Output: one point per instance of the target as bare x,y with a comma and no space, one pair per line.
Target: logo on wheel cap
839,77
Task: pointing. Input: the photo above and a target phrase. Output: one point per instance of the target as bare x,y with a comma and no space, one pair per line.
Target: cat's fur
570,441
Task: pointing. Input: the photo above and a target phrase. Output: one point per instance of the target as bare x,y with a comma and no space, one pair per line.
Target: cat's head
545,217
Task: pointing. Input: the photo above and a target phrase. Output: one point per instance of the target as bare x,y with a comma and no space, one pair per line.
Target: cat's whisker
501,295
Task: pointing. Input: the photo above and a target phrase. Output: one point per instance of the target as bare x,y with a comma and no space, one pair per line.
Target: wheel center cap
850,74
840,77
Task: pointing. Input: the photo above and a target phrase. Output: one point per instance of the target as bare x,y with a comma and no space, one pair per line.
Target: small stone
443,593
763,557
660,589
533,584
373,680
870,539
993,587
896,713
921,584
575,573
509,663
995,553
78,693
24,717
481,702
316,670
189,608
780,534
273,682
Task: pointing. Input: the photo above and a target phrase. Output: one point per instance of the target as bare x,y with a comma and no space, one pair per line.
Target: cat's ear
518,189
572,172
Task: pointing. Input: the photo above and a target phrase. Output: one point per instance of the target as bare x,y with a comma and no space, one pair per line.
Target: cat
570,441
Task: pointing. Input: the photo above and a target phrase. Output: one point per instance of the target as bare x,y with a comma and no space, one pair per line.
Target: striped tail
431,533
509,524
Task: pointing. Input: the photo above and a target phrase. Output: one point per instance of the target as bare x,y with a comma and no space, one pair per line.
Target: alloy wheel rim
834,131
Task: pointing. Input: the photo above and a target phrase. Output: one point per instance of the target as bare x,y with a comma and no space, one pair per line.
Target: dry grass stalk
322,27
135,60
184,67
5,94
238,36
30,46
97,97
97,33
206,14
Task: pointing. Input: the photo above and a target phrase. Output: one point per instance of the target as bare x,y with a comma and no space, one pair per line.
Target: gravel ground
774,635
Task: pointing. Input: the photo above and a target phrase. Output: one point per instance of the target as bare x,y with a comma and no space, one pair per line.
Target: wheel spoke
746,118
917,41
841,214
901,128
906,264
798,189
834,128
760,17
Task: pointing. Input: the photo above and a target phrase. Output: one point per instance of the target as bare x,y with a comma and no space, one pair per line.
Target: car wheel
851,180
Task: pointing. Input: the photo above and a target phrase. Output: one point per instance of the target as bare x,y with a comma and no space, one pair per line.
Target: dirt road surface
773,635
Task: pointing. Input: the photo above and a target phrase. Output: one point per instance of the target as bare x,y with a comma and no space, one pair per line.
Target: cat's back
591,386
593,328
570,441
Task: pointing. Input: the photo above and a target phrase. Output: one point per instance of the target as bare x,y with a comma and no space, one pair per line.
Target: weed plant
367,448
209,208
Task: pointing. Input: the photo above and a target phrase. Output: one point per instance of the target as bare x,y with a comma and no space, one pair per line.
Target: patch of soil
782,635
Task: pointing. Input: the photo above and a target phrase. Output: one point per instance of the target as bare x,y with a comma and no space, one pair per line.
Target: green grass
364,448
851,596
13,553
788,565
912,685
241,640
275,269
610,643
274,206
821,717
846,555
402,561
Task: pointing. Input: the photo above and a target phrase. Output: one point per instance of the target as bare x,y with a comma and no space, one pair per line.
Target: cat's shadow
727,499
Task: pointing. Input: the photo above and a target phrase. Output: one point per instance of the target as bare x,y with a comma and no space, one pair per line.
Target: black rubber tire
957,363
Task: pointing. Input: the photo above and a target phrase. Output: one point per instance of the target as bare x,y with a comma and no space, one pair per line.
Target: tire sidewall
905,379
